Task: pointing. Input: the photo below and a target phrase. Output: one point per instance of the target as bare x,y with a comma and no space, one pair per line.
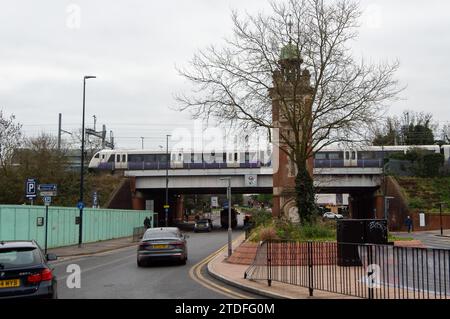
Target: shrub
318,231
267,233
261,217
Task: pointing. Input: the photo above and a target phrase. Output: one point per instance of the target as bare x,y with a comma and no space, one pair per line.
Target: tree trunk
304,189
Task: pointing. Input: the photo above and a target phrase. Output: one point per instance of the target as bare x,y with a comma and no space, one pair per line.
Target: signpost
47,191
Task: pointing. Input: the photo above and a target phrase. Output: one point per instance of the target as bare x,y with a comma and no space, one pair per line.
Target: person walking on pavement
147,222
409,224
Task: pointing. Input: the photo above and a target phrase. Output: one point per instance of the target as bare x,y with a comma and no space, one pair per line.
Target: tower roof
290,52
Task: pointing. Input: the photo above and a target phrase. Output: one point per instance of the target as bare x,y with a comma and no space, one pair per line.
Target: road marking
84,270
196,275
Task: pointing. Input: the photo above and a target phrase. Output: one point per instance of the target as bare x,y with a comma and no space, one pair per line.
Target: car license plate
160,246
10,283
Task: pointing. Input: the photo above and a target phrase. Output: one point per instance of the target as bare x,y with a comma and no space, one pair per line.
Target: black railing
359,270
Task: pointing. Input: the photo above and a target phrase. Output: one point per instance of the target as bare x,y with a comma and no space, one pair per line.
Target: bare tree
346,96
11,138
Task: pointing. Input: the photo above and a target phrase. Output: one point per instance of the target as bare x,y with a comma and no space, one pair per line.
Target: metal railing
359,270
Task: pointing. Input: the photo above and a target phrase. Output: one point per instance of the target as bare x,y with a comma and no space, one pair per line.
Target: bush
261,217
319,231
285,230
267,233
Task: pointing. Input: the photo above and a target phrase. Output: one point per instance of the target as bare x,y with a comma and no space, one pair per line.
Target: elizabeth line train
329,157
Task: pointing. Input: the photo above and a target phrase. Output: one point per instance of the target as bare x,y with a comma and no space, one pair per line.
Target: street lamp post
166,206
440,218
229,214
80,233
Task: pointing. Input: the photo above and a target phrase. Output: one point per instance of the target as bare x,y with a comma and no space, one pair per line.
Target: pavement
86,249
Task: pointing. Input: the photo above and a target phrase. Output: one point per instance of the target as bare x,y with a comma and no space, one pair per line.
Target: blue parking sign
30,188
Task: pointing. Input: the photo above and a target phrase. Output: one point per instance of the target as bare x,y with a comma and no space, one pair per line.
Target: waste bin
351,232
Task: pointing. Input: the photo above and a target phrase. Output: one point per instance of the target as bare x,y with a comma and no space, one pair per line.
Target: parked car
25,272
203,225
330,215
162,243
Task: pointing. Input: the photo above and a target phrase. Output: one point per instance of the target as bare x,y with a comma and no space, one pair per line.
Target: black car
25,272
203,225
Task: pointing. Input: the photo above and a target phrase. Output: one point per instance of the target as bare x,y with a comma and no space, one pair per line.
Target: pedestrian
409,224
147,222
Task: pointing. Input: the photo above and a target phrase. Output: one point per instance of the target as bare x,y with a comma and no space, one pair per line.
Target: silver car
163,243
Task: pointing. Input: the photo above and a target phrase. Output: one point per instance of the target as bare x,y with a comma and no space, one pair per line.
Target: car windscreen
160,235
11,258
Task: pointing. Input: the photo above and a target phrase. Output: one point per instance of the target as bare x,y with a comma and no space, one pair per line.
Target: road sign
47,200
47,190
47,187
214,201
251,180
94,200
30,188
47,194
80,205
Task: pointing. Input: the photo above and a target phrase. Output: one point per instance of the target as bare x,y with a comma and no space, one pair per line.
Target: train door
121,161
350,158
233,159
177,160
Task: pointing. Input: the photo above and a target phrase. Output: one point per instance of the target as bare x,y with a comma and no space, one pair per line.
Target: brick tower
291,89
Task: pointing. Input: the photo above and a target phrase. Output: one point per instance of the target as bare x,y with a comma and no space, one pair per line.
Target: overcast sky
46,47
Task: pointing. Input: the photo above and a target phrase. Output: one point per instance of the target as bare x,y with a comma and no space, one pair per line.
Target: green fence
20,223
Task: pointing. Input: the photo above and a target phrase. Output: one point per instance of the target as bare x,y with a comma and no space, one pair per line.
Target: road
430,239
116,275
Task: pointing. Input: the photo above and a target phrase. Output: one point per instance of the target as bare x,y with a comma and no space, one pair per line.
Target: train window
103,156
321,156
148,158
213,154
224,156
162,158
367,155
353,155
235,157
192,158
247,157
180,157
333,156
97,155
111,158
117,158
124,158
134,158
